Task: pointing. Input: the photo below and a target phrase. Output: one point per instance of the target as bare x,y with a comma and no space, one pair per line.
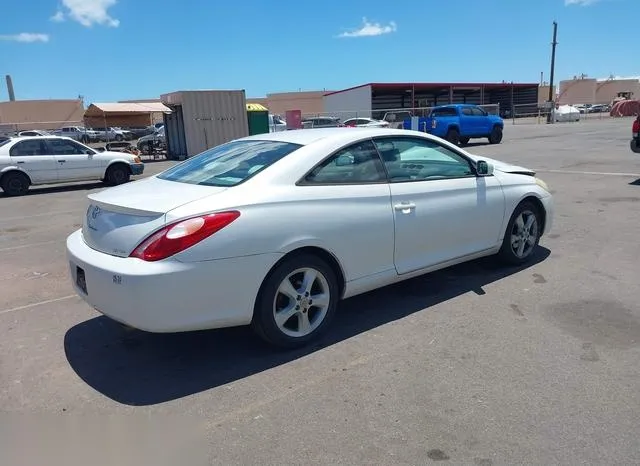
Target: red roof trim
423,86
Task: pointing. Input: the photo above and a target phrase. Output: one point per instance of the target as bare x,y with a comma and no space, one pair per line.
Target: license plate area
81,280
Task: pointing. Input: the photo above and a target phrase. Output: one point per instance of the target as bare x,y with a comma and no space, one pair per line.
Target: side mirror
484,168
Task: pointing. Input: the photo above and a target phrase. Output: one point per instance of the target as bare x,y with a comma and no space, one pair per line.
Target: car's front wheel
15,184
296,302
117,174
522,235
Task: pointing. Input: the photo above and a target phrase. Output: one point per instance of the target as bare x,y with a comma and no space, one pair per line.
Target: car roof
32,138
309,136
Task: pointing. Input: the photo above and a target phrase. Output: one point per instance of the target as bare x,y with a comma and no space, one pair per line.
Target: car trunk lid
120,218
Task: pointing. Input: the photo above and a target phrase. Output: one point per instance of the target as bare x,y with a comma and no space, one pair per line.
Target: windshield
229,164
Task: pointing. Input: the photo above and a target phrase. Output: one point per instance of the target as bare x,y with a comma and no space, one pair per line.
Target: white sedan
365,123
273,230
33,160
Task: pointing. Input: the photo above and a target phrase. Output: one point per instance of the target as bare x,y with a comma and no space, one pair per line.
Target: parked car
148,143
366,122
276,123
140,131
34,160
635,136
113,134
321,122
459,123
565,113
397,118
197,247
78,133
34,132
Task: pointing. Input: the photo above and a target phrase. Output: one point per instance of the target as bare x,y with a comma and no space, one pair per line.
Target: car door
481,125
349,205
31,156
468,124
442,210
75,161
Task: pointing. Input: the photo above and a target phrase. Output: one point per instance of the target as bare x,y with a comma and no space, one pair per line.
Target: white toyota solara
273,230
27,161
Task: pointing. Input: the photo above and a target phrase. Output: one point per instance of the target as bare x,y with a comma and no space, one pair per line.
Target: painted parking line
571,172
40,303
45,214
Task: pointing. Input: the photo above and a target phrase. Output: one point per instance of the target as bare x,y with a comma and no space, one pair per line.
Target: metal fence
539,114
13,128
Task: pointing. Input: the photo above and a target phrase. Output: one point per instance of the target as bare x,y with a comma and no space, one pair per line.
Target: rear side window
229,164
23,148
441,112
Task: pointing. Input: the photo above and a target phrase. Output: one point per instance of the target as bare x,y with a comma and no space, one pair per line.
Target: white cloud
88,12
27,37
371,29
580,2
58,17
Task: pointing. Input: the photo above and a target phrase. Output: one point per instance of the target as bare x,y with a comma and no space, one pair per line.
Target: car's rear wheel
522,235
15,184
495,137
635,146
296,302
119,137
117,174
464,141
453,136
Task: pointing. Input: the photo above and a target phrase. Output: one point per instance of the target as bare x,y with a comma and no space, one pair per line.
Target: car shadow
137,368
635,183
474,144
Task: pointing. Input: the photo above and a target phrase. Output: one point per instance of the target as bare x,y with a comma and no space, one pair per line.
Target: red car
635,136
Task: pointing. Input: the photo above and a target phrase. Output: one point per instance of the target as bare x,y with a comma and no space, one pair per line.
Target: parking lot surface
476,364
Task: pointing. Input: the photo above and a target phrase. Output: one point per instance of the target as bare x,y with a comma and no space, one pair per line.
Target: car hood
503,166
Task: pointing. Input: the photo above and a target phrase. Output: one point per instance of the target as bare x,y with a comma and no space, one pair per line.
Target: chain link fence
539,114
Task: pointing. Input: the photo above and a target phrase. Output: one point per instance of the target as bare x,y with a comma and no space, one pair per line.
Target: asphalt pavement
476,364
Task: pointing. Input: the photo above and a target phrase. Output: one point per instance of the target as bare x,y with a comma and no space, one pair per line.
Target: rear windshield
229,164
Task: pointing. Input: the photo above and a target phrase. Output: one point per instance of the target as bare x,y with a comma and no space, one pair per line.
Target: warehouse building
374,99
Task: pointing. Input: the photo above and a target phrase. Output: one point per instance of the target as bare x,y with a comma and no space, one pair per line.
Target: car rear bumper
137,168
168,295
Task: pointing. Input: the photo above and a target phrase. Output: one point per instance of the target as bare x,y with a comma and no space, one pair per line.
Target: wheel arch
14,170
318,251
118,162
535,200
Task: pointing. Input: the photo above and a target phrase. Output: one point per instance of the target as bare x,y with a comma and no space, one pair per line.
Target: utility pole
553,65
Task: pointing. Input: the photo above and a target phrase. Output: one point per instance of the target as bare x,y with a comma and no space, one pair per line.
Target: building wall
308,102
606,91
41,114
350,103
577,91
543,94
123,120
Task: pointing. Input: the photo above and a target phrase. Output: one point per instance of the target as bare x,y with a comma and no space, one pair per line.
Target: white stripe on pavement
41,303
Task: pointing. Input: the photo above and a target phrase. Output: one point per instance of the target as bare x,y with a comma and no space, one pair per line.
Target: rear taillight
636,127
181,235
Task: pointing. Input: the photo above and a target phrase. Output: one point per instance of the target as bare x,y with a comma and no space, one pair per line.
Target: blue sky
109,50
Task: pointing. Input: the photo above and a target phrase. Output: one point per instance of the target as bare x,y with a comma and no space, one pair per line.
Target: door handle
21,161
62,161
405,206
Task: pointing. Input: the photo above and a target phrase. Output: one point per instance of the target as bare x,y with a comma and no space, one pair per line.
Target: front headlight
543,185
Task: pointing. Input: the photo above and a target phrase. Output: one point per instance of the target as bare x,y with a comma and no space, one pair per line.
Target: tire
495,137
464,141
119,137
510,250
453,136
271,300
15,184
145,148
117,174
84,139
635,147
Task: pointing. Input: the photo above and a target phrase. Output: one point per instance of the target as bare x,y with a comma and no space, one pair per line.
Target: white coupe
273,230
26,161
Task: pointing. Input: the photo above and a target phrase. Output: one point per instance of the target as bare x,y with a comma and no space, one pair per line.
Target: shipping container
203,119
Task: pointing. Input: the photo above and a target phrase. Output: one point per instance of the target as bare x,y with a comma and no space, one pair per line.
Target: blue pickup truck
458,123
